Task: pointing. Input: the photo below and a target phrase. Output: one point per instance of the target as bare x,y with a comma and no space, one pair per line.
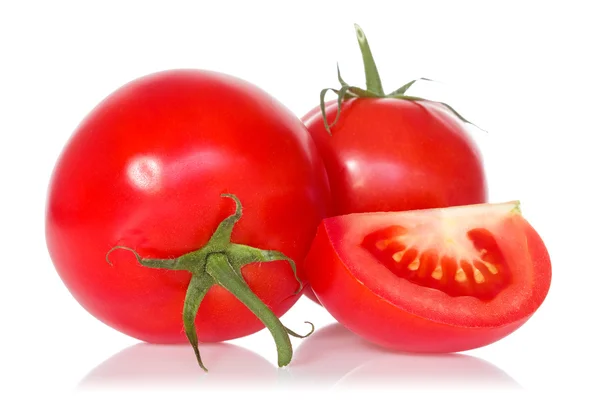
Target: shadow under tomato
335,357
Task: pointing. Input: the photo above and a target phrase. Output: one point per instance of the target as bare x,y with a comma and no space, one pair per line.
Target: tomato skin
146,169
394,155
378,309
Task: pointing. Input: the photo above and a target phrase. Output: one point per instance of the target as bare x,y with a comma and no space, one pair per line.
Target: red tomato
388,154
393,152
146,169
436,280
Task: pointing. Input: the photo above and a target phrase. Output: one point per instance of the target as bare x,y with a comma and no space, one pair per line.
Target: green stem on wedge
374,87
220,262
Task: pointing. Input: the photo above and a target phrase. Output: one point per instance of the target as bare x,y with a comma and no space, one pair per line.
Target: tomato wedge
435,280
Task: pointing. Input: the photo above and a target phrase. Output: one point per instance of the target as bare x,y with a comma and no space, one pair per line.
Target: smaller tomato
393,151
390,151
434,280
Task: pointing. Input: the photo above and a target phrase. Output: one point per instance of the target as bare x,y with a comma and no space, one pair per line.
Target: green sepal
240,255
220,262
197,289
452,110
292,333
402,90
224,274
374,87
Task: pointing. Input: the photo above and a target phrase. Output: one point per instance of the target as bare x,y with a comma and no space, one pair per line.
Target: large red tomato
147,169
394,152
436,280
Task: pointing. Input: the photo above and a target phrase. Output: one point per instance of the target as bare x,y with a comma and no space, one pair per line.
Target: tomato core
471,264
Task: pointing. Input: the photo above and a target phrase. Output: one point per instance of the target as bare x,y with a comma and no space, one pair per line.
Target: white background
526,71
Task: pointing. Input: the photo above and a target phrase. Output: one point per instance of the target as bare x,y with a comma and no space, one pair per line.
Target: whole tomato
146,173
393,152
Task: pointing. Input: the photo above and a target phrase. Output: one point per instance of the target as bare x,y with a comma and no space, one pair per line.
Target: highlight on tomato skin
434,280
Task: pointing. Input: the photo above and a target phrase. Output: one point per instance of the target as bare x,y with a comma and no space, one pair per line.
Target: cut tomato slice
435,280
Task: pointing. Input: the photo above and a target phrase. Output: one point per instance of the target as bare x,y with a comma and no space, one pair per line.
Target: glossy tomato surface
437,280
146,169
389,154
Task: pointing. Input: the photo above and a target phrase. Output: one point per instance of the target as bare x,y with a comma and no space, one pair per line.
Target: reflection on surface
332,357
155,366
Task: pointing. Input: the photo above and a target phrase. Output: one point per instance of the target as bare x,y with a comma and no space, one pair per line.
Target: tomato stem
372,78
220,262
374,87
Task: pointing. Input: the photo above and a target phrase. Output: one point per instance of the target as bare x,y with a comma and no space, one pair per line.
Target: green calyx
220,262
373,83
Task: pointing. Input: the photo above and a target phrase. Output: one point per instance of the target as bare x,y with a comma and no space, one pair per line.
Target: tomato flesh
435,280
482,274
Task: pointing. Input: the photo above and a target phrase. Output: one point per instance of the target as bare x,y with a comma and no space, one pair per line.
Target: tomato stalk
220,262
372,78
373,83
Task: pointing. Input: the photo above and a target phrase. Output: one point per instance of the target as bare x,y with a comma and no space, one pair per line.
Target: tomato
434,280
394,152
395,155
146,170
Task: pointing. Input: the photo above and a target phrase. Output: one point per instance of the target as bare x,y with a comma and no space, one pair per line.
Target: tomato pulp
146,169
436,280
